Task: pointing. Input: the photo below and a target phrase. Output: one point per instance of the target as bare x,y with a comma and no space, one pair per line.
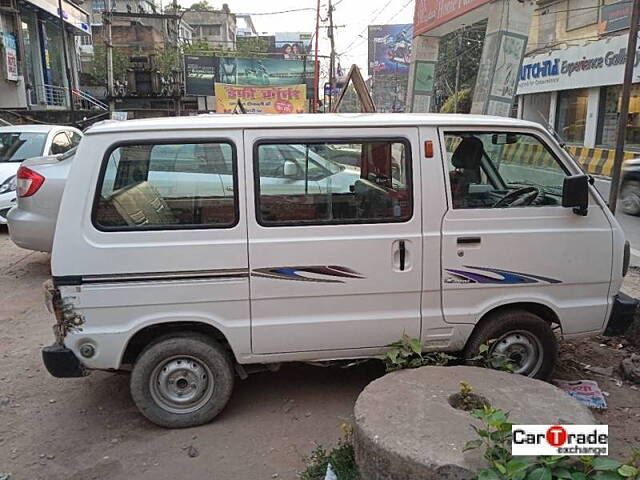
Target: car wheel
182,380
630,197
525,339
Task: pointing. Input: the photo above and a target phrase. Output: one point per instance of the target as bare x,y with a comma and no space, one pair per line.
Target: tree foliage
98,67
464,44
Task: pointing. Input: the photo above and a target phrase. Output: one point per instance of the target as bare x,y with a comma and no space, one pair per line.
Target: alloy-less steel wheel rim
181,384
522,349
630,199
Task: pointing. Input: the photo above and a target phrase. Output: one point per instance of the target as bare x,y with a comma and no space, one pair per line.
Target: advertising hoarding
390,49
286,99
200,73
430,14
265,72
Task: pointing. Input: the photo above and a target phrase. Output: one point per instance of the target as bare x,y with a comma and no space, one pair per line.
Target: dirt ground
81,429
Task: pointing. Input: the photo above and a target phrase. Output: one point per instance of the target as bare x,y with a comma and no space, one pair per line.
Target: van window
502,170
163,186
333,182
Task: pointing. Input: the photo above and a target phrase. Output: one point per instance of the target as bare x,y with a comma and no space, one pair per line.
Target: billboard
265,72
287,99
390,48
200,73
430,14
291,45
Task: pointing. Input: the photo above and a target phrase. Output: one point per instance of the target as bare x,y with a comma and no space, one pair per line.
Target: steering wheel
521,197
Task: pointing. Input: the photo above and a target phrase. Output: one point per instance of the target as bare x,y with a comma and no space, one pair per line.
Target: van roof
249,121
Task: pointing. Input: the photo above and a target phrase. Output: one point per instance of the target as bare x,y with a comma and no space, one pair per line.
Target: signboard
614,17
430,14
200,73
291,45
596,64
390,48
71,14
10,57
264,72
289,99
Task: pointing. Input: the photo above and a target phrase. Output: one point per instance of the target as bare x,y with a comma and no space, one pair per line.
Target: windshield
17,146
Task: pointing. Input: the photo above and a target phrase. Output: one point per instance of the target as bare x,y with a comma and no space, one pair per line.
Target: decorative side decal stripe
508,277
296,273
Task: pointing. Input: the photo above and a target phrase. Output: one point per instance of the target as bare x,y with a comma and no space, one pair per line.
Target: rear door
507,237
335,258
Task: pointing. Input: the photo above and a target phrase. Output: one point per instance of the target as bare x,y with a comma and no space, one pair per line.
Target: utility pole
624,107
66,62
332,60
316,78
106,19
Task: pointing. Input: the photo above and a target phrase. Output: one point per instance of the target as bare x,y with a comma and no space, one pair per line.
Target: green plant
342,459
489,358
409,353
466,396
495,436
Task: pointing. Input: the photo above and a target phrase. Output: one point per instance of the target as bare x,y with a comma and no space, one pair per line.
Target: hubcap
181,384
522,349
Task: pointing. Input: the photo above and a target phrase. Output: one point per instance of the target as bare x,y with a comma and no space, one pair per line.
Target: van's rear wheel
525,339
182,380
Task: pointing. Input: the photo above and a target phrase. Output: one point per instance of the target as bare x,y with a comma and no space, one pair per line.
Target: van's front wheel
182,380
523,338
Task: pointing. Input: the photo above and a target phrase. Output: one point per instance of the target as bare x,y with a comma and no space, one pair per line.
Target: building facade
32,49
216,27
571,77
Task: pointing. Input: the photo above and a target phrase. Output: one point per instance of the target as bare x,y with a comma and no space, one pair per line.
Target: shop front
576,92
40,45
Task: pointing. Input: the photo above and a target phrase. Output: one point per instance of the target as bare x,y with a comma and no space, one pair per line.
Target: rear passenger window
333,182
164,186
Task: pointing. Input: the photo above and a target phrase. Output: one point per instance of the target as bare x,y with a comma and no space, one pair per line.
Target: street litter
631,368
586,392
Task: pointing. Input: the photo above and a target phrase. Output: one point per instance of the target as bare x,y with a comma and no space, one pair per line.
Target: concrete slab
406,429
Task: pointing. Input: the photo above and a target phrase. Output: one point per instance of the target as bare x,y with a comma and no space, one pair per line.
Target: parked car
487,230
630,187
20,142
32,222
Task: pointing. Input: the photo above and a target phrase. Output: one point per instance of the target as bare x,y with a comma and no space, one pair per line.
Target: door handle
469,240
403,254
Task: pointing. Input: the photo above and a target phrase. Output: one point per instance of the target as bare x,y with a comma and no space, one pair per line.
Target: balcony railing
57,96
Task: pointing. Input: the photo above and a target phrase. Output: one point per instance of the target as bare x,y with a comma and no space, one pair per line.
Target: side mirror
575,194
291,169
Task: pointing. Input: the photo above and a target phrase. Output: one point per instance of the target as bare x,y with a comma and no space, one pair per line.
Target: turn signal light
29,182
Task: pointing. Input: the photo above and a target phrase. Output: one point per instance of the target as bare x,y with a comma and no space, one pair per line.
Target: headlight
9,185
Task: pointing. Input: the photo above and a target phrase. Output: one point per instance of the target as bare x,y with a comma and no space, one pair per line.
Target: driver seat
466,160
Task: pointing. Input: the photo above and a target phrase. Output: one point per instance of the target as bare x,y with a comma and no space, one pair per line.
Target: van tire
192,380
520,333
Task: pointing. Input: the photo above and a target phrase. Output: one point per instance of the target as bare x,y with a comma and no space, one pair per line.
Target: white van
188,248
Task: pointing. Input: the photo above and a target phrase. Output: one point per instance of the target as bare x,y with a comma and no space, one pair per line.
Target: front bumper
62,362
622,315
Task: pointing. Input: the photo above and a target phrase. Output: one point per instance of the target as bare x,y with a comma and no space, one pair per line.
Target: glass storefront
610,98
572,115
